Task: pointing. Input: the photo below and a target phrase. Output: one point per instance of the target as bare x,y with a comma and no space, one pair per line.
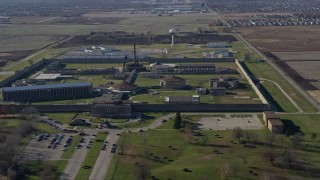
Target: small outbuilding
273,122
275,126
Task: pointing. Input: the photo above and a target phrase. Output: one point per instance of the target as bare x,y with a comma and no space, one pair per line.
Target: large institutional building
47,92
173,82
111,106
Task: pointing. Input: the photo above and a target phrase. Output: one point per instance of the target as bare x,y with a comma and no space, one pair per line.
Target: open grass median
90,160
69,152
281,100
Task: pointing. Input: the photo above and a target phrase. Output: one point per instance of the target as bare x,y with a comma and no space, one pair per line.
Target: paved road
78,156
74,164
102,164
45,20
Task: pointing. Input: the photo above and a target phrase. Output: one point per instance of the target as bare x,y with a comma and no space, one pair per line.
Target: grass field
136,24
264,70
147,118
196,81
280,98
70,101
95,65
307,124
64,118
35,168
199,80
229,99
21,43
167,153
47,53
42,128
91,157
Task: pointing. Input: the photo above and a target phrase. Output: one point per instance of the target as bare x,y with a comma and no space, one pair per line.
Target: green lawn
264,70
280,98
48,53
308,124
229,99
87,65
42,128
35,168
167,153
147,118
69,101
91,157
64,118
96,80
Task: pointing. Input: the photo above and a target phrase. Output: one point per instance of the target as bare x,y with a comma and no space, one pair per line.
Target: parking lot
46,148
228,122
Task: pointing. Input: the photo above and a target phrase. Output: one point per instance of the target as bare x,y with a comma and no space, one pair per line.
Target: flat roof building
47,92
195,99
173,82
197,68
227,82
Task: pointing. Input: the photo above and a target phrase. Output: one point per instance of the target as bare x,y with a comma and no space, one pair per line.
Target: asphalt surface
74,164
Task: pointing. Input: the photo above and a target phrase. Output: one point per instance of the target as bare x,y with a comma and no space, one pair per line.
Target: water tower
172,32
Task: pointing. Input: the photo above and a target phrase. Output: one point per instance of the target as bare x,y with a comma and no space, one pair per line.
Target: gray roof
47,86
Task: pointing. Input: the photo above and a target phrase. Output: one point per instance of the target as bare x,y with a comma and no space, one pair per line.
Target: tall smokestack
134,51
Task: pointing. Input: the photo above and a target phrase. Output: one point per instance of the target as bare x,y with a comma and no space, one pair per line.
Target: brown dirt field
89,20
315,95
301,56
290,38
309,70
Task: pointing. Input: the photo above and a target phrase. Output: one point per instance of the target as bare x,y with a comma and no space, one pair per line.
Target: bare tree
3,124
30,113
268,176
142,170
237,133
296,140
188,130
247,57
248,135
269,155
313,136
286,157
226,171
13,111
47,173
235,168
204,139
270,139
122,146
254,137
244,161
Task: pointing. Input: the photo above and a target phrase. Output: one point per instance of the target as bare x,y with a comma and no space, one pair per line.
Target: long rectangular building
47,92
